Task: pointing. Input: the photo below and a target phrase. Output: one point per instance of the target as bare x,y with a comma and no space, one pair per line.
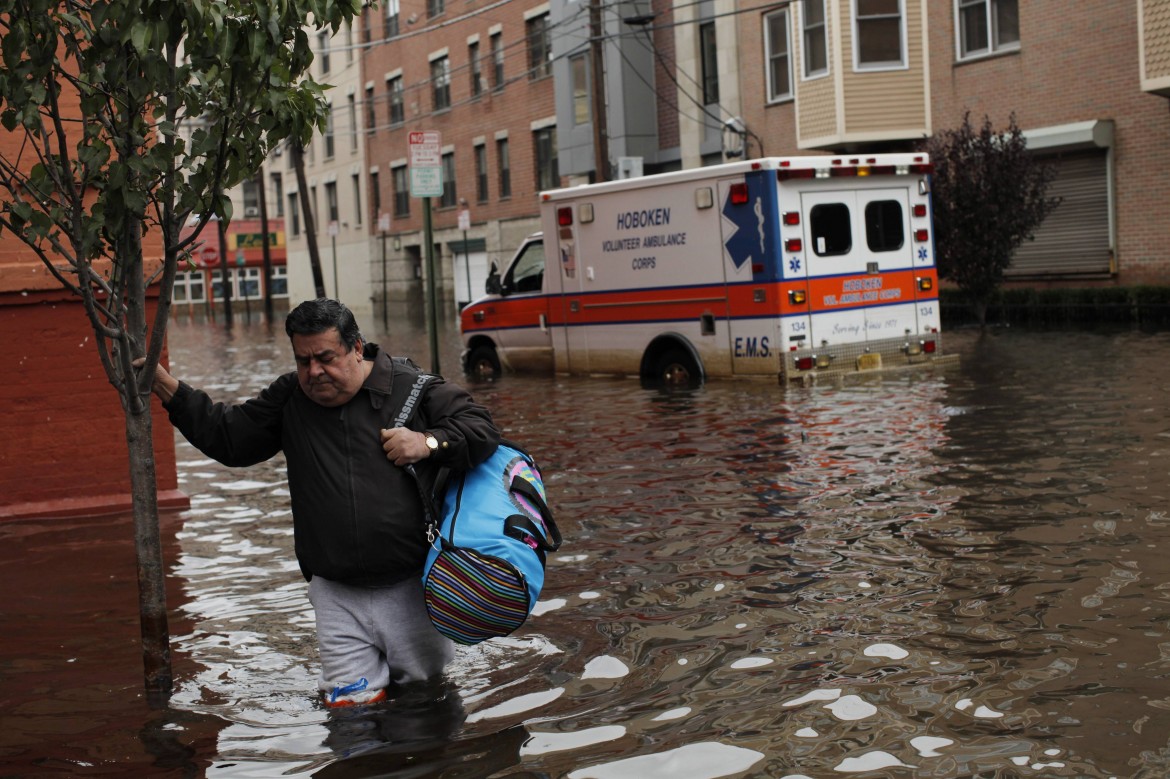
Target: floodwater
959,574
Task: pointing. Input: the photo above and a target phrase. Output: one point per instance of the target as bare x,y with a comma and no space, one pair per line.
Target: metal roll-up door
1074,239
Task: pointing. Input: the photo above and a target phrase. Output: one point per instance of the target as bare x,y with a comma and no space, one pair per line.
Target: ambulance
787,267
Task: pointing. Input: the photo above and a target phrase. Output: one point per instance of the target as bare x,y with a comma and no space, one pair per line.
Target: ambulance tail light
929,347
791,218
793,245
797,297
921,236
786,174
565,216
925,283
920,209
922,167
739,194
805,363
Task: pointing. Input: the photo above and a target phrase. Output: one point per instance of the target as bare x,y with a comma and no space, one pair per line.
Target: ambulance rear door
859,261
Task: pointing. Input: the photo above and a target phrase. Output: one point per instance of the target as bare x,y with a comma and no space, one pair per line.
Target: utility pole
600,130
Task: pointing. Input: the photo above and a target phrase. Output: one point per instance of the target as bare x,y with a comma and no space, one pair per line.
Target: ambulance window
527,274
831,233
884,231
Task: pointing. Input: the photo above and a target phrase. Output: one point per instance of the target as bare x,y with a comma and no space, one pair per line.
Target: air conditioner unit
251,212
629,167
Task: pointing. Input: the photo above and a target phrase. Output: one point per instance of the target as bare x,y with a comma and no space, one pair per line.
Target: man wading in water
357,515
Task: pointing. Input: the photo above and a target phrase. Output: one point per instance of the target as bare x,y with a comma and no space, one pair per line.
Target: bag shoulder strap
407,386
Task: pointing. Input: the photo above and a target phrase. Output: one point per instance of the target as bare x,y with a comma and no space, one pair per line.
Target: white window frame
805,74
903,61
786,25
993,46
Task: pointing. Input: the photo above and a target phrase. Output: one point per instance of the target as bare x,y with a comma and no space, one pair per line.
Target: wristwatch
432,444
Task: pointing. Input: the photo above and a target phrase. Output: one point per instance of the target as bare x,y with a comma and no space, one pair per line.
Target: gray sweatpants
380,633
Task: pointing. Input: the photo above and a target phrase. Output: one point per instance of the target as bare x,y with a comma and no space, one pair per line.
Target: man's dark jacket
357,517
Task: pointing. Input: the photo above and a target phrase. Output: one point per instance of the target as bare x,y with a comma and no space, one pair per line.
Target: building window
987,26
708,64
505,162
497,47
401,192
328,135
323,50
190,287
539,47
579,67
251,194
278,193
394,90
481,173
314,210
371,117
278,281
440,84
434,8
390,29
375,199
547,176
367,12
776,51
331,202
878,39
447,199
247,281
349,42
294,215
357,199
474,68
815,34
351,111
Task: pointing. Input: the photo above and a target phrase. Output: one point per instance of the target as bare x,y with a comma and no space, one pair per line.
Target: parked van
791,267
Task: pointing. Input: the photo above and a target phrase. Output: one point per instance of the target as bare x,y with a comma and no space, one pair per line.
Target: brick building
511,88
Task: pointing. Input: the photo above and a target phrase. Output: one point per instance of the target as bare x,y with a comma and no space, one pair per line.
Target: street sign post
426,181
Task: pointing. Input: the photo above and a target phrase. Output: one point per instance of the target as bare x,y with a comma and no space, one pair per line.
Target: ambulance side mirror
493,286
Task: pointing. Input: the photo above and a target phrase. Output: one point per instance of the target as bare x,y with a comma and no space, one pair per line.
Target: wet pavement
957,574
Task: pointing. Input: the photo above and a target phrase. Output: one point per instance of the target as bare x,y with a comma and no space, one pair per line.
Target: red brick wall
1077,62
511,108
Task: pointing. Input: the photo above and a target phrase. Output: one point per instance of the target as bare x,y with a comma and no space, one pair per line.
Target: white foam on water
673,714
807,733
815,695
541,743
752,662
518,705
707,760
926,745
870,761
589,595
605,667
545,606
851,708
892,651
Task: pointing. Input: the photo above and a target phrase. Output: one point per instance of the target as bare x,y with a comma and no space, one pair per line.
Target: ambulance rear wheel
483,363
676,368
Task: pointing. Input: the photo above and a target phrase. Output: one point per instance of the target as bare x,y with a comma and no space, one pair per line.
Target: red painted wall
62,431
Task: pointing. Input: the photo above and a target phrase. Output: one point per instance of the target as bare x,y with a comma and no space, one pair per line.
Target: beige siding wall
888,103
816,100
1155,40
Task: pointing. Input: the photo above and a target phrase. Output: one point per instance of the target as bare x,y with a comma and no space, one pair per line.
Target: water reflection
943,575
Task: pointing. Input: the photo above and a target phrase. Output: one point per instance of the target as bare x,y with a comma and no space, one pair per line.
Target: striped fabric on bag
471,597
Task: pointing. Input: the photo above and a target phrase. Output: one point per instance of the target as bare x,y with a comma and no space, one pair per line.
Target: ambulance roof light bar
852,166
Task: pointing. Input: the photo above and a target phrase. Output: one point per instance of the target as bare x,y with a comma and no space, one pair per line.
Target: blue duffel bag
489,537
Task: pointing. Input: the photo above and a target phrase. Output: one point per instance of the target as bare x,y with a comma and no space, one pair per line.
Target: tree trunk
310,226
152,598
